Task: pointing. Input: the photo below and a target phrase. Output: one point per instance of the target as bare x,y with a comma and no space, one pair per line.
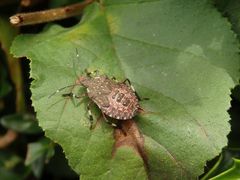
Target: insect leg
129,82
94,73
74,63
59,90
87,72
73,96
114,78
139,98
90,114
107,121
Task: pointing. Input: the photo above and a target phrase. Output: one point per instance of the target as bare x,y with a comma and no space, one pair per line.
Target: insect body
115,99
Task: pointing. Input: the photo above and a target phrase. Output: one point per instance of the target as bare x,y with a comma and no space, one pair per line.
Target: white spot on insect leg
118,117
132,88
114,125
90,113
87,90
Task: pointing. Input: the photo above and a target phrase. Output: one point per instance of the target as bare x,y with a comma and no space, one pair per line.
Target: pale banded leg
107,121
60,89
90,114
139,98
94,73
74,96
129,82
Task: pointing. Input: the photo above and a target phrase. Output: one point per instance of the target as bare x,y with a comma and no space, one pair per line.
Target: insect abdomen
121,98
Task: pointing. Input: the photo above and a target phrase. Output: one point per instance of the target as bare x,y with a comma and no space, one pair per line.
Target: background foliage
183,55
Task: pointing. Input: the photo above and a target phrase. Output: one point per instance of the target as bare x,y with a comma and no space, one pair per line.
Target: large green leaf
180,54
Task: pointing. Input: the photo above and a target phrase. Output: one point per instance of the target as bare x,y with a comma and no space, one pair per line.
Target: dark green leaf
23,123
9,160
9,175
224,162
38,154
43,147
11,166
230,174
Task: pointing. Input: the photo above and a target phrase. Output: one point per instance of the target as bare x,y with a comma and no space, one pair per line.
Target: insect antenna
74,63
60,89
75,73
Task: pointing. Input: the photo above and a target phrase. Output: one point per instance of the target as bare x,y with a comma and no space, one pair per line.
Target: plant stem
7,138
14,67
37,17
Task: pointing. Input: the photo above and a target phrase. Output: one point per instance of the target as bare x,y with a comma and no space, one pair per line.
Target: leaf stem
37,17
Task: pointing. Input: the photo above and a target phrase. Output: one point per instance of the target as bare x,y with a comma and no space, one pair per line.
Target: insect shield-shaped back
116,100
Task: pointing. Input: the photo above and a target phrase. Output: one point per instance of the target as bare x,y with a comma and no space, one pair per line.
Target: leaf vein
160,46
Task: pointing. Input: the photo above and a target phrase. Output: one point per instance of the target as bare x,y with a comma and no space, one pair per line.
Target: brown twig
8,138
37,17
15,72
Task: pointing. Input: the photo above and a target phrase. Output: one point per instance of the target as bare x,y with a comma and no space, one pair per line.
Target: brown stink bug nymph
117,100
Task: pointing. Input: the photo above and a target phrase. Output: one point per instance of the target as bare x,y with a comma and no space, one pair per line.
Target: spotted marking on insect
115,99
